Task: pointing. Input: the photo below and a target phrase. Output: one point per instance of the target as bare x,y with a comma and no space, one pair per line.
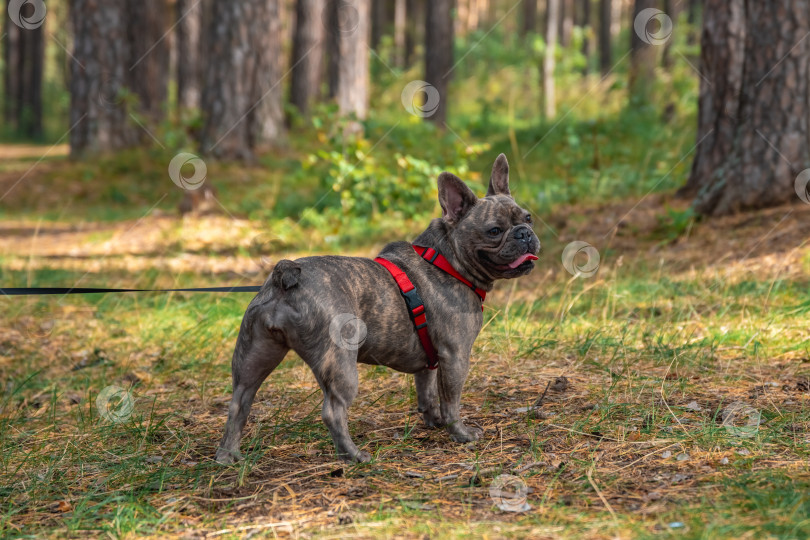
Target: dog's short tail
286,274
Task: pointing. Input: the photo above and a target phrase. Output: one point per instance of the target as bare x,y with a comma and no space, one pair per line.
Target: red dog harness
416,307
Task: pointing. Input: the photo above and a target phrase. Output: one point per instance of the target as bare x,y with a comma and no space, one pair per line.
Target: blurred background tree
23,56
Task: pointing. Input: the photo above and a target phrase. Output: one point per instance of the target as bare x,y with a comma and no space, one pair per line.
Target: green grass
618,342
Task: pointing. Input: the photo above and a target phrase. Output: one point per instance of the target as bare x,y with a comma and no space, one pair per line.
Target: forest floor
675,384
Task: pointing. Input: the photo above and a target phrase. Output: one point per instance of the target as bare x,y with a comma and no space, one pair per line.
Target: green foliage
675,222
369,186
368,189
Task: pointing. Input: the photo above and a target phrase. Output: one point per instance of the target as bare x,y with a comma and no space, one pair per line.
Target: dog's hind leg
258,351
336,372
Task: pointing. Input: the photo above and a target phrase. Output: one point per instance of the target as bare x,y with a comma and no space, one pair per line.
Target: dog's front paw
463,434
362,457
227,457
358,457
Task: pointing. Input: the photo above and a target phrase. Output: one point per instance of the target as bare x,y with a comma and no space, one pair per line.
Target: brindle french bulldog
308,304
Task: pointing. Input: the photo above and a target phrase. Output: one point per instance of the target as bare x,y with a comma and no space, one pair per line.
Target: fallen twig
539,400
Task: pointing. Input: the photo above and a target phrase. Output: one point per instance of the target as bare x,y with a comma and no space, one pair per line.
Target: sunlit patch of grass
637,348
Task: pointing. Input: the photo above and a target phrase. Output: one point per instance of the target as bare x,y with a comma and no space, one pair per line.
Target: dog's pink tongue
522,259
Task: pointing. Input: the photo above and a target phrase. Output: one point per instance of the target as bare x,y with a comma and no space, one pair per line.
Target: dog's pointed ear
455,197
499,180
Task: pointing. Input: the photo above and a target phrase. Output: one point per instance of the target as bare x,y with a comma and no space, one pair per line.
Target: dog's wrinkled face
492,235
503,243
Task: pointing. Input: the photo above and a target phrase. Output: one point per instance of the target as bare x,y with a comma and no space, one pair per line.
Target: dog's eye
528,218
494,231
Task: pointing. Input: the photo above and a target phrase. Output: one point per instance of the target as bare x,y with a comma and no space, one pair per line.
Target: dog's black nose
522,233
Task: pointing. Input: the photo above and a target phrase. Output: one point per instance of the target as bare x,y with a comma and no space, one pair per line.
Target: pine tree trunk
754,129
471,24
721,64
439,53
242,93
552,22
585,24
416,16
379,21
332,46
148,68
189,49
484,19
642,56
692,18
98,75
605,52
349,22
529,22
566,22
307,54
462,14
400,25
671,9
617,17
23,51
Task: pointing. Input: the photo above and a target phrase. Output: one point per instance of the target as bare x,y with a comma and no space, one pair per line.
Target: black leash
38,291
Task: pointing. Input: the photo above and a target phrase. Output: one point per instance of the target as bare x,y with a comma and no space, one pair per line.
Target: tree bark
754,128
379,21
566,22
529,22
471,24
307,54
605,52
400,25
439,53
642,56
484,14
416,15
671,8
349,55
721,66
585,24
617,17
148,68
23,54
692,19
552,22
98,74
189,49
242,92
